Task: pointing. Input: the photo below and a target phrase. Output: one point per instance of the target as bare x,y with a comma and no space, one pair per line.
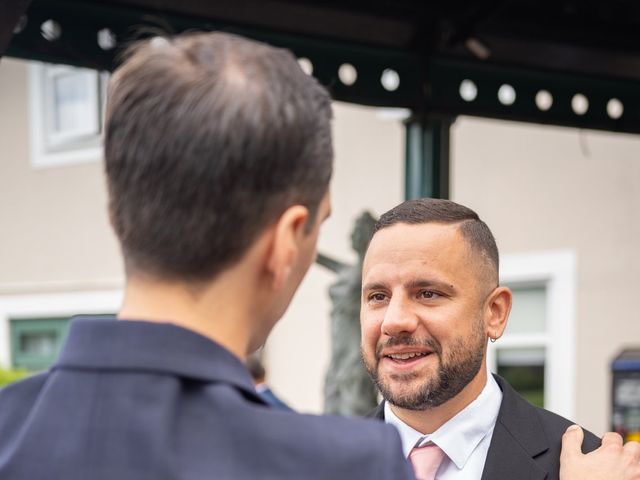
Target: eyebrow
374,286
424,283
412,285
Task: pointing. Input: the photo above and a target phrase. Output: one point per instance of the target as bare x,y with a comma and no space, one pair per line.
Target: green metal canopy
570,63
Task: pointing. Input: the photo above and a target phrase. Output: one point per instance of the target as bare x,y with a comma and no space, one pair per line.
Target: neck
429,420
218,310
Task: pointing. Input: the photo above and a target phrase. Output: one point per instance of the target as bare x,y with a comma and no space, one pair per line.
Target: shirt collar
460,435
262,387
408,435
109,344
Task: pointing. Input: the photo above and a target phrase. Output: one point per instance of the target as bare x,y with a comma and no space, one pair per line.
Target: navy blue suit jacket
144,401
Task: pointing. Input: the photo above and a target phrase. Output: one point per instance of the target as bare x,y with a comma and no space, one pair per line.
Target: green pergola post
427,156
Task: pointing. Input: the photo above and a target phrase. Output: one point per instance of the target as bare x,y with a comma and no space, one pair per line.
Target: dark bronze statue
348,389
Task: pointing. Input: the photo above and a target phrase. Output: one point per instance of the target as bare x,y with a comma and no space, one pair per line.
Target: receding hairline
206,89
186,64
485,261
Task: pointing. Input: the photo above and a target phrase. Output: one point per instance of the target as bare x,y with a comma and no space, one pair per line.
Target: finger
571,442
611,439
632,449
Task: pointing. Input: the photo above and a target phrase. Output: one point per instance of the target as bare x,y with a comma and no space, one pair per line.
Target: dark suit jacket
144,401
526,440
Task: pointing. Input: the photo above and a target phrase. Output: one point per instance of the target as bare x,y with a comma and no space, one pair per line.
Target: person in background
258,374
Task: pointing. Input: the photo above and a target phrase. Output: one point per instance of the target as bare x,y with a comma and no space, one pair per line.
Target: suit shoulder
519,415
323,446
22,390
351,447
555,426
16,401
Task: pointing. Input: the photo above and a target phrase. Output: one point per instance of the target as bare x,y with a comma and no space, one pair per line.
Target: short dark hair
208,138
255,366
433,210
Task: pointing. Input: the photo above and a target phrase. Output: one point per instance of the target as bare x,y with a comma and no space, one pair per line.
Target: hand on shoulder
612,461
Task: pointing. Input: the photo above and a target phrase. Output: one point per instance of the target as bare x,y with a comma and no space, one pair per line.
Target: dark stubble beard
463,362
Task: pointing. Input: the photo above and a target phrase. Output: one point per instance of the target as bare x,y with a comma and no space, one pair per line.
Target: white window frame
51,149
556,271
88,130
50,305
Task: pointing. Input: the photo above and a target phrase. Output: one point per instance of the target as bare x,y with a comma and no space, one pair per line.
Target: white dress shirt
465,439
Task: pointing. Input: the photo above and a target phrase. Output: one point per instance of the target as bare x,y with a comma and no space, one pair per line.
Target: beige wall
543,188
55,232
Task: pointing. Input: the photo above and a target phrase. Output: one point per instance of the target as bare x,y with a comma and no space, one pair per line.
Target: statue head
362,233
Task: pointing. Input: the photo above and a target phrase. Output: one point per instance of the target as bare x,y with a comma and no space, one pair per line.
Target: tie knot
425,461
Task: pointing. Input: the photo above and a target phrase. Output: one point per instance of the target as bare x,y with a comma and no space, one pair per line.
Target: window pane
73,102
528,311
523,368
38,343
35,342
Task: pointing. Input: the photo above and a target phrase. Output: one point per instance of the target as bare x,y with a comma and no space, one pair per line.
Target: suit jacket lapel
518,438
508,460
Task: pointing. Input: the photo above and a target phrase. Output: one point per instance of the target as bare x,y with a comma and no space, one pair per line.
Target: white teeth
405,356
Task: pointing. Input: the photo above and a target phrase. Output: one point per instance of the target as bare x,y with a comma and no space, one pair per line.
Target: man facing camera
431,300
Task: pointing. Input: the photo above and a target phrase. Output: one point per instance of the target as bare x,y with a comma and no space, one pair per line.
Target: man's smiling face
422,316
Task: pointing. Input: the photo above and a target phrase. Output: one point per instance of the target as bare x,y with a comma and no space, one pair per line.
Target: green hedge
10,376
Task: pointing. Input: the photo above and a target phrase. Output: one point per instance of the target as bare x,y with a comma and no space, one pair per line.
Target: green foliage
10,376
527,380
536,397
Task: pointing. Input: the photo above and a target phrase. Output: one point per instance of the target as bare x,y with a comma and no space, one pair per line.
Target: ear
288,233
497,310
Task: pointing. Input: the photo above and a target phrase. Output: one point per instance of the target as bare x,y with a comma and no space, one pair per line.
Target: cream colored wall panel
55,231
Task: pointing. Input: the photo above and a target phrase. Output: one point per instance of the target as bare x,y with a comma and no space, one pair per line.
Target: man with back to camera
431,300
218,158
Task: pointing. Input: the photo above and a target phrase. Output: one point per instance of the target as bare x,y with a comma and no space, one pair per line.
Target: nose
399,319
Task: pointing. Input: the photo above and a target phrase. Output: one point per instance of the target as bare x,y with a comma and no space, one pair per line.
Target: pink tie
425,461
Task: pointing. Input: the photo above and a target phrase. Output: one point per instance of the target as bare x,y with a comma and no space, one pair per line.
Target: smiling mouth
406,356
